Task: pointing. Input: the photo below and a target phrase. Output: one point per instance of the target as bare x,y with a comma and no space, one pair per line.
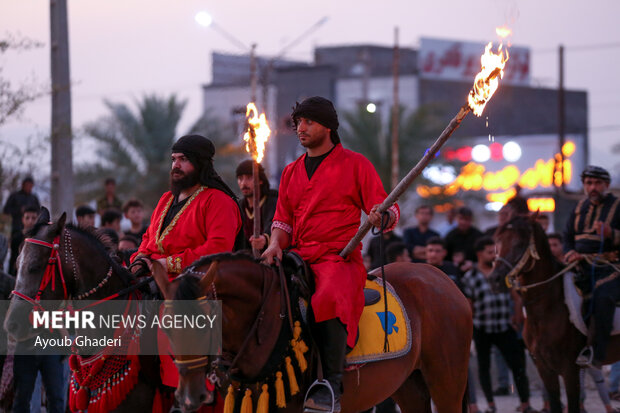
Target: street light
204,19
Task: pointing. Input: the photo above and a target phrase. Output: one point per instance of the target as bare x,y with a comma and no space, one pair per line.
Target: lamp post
205,20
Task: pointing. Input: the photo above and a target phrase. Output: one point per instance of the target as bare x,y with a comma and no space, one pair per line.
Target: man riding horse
197,217
319,207
593,237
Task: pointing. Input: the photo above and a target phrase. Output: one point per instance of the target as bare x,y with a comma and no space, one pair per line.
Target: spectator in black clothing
397,252
416,237
134,212
18,201
29,218
464,236
112,219
374,248
126,247
85,216
556,243
435,256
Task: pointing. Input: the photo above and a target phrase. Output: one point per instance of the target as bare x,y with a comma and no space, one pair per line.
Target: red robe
207,224
322,215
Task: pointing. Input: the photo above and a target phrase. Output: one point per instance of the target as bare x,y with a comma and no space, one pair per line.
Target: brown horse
88,271
254,317
524,253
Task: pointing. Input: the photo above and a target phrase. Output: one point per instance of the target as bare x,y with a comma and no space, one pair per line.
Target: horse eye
509,226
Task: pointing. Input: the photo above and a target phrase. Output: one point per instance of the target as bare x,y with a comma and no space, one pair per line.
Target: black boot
332,343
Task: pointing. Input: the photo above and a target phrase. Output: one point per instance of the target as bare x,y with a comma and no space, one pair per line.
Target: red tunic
207,224
322,214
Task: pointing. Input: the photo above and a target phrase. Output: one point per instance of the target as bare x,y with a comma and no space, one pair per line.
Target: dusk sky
121,50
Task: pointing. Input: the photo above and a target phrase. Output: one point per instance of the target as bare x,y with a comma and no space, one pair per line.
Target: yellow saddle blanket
372,328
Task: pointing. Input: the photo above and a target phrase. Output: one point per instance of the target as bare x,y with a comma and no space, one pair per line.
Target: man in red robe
198,216
319,207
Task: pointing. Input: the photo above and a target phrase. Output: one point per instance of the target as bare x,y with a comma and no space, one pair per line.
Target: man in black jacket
268,202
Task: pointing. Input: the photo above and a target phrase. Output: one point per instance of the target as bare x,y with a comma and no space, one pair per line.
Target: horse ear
207,279
534,215
60,224
161,278
44,216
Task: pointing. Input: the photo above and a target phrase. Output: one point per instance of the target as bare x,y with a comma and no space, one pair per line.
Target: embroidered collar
161,235
250,213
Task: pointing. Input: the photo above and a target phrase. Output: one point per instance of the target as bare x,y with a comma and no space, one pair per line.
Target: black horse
62,262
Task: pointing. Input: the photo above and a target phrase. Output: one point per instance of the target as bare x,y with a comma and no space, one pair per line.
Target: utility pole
253,73
561,116
62,149
395,112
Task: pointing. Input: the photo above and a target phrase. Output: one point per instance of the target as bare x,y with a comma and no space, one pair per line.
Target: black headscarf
200,150
320,110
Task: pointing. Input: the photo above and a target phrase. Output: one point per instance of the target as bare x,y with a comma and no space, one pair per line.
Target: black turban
200,150
320,110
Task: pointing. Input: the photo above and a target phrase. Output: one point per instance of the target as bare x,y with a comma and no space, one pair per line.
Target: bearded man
593,228
321,197
198,216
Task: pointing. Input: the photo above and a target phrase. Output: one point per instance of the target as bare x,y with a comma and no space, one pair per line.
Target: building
514,142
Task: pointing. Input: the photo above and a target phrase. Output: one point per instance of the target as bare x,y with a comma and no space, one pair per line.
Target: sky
122,50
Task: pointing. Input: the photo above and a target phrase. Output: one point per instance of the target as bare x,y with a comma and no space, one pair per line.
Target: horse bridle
530,252
511,279
49,276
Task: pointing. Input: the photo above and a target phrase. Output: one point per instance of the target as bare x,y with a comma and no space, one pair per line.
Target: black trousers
512,349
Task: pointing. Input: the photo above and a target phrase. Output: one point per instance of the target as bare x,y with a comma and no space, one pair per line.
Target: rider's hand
272,251
258,243
600,226
375,217
571,256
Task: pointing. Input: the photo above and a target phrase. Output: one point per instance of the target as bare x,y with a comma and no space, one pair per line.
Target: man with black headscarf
267,203
198,216
321,197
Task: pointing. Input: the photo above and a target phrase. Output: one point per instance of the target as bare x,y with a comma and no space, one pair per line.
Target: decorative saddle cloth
574,300
372,328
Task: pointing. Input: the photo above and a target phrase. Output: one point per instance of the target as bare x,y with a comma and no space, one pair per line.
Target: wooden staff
408,180
256,191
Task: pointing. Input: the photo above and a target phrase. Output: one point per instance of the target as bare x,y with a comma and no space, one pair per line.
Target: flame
503,31
486,82
257,134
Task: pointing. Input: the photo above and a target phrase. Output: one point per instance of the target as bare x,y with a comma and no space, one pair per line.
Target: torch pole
256,192
408,180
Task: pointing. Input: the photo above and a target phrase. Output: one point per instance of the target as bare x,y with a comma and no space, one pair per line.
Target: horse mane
242,255
105,246
189,288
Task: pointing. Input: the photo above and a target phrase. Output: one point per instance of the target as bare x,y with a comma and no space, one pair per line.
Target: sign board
455,60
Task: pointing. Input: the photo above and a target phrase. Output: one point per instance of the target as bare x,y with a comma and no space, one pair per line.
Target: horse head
248,292
521,242
38,273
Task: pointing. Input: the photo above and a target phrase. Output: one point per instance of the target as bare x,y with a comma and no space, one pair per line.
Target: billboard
456,60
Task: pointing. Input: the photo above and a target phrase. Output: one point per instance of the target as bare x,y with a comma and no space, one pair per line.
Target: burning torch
486,83
255,138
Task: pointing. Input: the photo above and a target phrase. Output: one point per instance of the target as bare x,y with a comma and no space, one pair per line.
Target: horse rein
512,278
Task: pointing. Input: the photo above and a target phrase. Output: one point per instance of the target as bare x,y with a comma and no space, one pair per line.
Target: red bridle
50,271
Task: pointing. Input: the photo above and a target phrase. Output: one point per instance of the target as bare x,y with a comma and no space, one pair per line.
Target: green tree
132,147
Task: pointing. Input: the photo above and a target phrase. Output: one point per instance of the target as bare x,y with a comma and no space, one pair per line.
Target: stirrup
319,383
584,359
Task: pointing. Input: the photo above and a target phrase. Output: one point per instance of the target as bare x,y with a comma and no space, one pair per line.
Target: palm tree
134,148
